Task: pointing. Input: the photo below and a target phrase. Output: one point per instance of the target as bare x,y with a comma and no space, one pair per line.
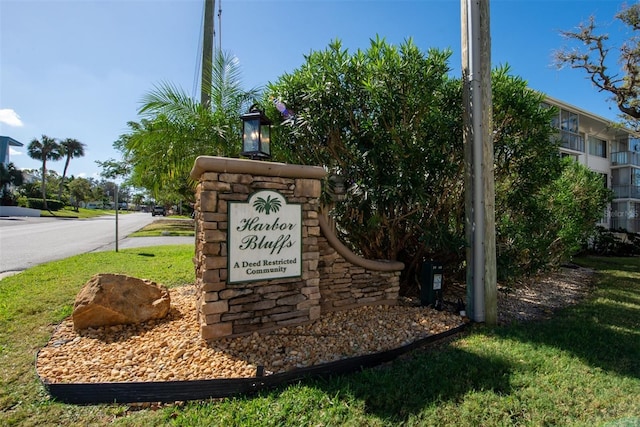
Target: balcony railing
571,141
626,215
630,224
627,191
625,158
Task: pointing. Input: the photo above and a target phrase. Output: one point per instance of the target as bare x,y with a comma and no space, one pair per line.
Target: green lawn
171,226
580,368
69,212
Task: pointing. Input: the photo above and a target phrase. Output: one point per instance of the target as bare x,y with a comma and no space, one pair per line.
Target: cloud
10,117
13,152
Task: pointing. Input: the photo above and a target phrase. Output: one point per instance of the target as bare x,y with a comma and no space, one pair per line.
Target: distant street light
115,199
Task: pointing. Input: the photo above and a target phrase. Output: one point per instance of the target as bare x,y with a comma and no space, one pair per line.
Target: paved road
26,242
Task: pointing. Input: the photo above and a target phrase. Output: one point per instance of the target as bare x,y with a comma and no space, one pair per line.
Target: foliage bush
52,205
388,122
7,198
577,201
10,177
613,243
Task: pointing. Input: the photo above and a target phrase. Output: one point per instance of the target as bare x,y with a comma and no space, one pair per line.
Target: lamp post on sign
256,134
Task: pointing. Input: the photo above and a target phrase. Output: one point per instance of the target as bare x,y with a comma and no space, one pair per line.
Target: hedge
52,205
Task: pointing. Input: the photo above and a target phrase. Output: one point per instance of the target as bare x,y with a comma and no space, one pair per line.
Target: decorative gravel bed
172,350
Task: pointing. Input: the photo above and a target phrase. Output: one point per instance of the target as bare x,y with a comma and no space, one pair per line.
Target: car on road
159,210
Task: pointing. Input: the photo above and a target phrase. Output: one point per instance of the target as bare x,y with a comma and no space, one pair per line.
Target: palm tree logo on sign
264,238
268,205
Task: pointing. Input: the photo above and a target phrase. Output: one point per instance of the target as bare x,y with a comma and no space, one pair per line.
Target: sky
79,68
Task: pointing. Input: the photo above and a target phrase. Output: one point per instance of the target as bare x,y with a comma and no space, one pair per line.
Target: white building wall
623,212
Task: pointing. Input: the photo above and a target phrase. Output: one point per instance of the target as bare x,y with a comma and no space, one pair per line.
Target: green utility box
431,276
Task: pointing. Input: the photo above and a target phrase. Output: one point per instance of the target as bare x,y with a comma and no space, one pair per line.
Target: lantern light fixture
256,134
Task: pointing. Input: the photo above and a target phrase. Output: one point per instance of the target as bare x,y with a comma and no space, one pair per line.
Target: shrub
53,205
7,198
613,243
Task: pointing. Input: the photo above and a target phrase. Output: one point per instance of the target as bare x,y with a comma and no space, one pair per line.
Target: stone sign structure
265,236
266,258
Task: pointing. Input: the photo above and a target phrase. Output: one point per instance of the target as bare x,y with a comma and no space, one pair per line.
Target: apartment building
609,150
5,143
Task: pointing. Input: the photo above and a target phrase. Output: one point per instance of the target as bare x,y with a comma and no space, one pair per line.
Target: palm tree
175,128
227,97
47,149
9,175
71,148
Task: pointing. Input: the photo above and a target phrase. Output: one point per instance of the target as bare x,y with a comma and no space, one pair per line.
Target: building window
569,121
597,147
635,176
569,136
628,143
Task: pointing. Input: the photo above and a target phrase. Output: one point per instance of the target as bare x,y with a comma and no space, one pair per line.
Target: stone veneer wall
332,277
348,281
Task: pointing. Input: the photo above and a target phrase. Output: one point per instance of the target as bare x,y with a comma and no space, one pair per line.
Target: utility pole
207,52
219,26
479,163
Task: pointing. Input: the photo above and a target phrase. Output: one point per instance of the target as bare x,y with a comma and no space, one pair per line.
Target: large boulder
116,299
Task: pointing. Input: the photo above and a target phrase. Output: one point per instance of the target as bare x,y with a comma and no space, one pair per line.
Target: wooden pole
219,26
478,155
490,268
467,136
207,52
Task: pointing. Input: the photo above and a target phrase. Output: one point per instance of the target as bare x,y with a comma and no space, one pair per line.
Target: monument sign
265,238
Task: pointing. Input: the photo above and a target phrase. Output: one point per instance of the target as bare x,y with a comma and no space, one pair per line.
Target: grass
69,212
38,298
580,368
173,226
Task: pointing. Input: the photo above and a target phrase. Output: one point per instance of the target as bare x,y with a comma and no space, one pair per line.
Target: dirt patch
536,298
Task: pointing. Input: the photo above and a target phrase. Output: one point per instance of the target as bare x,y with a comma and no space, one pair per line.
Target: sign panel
264,238
437,282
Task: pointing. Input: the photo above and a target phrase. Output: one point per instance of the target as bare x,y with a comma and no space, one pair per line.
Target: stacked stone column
332,277
226,310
